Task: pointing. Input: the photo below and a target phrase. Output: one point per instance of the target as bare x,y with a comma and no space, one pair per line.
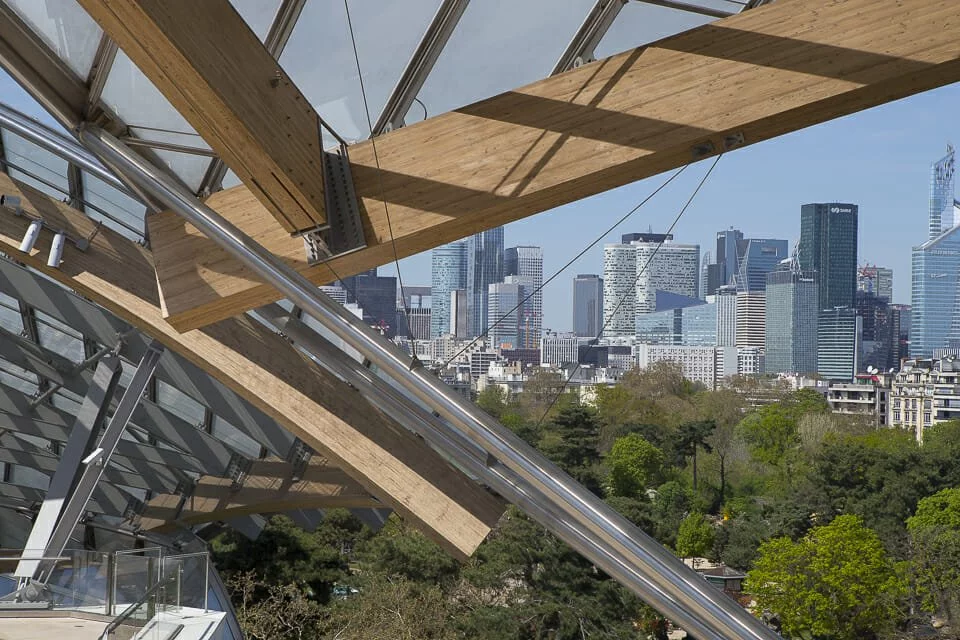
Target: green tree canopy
935,533
633,464
695,537
837,582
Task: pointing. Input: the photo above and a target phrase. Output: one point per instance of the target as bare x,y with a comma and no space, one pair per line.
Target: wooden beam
268,488
261,367
767,72
208,63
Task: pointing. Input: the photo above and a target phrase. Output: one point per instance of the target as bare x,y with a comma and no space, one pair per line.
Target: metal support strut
554,499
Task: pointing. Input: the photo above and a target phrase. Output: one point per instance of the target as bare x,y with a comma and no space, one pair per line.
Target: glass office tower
828,246
790,338
760,257
587,305
448,273
484,267
942,189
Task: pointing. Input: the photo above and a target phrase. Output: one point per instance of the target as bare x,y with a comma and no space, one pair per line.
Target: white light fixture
31,235
56,250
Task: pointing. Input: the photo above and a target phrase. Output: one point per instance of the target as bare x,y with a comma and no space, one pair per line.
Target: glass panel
234,438
189,167
118,211
319,56
258,14
640,23
10,318
59,342
499,45
179,403
37,167
65,27
28,477
67,401
230,179
17,378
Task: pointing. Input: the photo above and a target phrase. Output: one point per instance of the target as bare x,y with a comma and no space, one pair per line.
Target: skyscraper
751,319
377,296
619,288
665,266
828,246
587,305
504,312
759,257
880,339
448,274
526,264
876,280
484,267
790,336
839,332
730,250
727,316
935,291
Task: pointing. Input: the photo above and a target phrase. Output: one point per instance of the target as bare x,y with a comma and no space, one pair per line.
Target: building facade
448,273
619,288
876,280
526,264
695,326
790,337
587,305
941,214
867,396
924,393
503,313
760,257
839,337
751,319
828,246
557,350
709,366
727,316
377,296
665,266
484,267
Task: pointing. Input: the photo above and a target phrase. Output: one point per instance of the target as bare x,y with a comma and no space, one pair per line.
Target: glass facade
942,189
790,336
839,334
935,315
760,257
526,264
448,273
828,245
587,305
377,296
484,267
691,326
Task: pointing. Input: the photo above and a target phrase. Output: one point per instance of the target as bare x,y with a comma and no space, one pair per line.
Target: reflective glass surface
65,27
35,166
640,23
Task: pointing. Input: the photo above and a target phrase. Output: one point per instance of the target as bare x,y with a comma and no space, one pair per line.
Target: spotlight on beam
31,235
56,250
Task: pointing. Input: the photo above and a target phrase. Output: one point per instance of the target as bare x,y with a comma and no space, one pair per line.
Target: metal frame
512,467
691,8
420,65
588,36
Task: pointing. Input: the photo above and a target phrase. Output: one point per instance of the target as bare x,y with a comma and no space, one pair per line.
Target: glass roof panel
497,46
319,56
118,211
17,378
640,23
10,318
234,438
59,342
35,166
179,403
65,27
189,167
258,14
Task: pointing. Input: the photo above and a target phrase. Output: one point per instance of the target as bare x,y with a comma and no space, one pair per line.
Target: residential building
750,361
828,246
839,337
619,288
480,362
503,313
484,267
526,264
925,392
935,313
760,256
876,280
868,395
448,273
587,305
709,366
751,319
377,296
790,336
559,349
665,266
727,316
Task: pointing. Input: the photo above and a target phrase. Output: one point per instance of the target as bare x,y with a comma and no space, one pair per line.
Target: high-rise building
839,334
828,246
790,336
414,322
942,195
484,267
377,296
459,326
587,305
665,266
619,288
730,250
935,291
504,312
448,274
759,257
881,332
876,280
415,297
751,319
727,316
526,264
692,326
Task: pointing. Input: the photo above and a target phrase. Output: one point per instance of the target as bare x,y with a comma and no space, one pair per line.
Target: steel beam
554,499
94,463
588,36
418,68
85,428
691,8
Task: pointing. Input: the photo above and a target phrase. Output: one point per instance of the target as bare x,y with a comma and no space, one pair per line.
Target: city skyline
879,159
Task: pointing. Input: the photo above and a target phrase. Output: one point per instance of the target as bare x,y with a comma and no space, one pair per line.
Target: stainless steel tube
587,523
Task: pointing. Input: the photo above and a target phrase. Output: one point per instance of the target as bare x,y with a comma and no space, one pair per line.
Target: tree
671,506
633,463
689,437
837,582
770,432
737,541
493,400
284,612
725,408
935,534
399,550
695,537
570,440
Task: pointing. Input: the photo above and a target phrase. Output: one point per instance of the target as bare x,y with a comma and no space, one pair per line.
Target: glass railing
144,619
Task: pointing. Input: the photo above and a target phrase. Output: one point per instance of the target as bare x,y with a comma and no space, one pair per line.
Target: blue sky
879,159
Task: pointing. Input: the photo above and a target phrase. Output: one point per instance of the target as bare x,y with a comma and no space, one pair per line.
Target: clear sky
879,159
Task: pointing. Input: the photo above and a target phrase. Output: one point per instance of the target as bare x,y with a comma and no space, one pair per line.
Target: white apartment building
709,366
924,393
866,397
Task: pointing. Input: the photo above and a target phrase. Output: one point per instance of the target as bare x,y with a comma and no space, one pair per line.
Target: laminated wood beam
734,82
395,466
208,63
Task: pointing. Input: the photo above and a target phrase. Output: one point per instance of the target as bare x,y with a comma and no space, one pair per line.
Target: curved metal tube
585,522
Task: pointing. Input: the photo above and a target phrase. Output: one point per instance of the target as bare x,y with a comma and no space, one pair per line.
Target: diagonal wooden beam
734,82
264,369
268,488
208,63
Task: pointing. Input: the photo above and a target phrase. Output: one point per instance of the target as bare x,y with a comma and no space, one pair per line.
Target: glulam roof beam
215,71
734,82
261,367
